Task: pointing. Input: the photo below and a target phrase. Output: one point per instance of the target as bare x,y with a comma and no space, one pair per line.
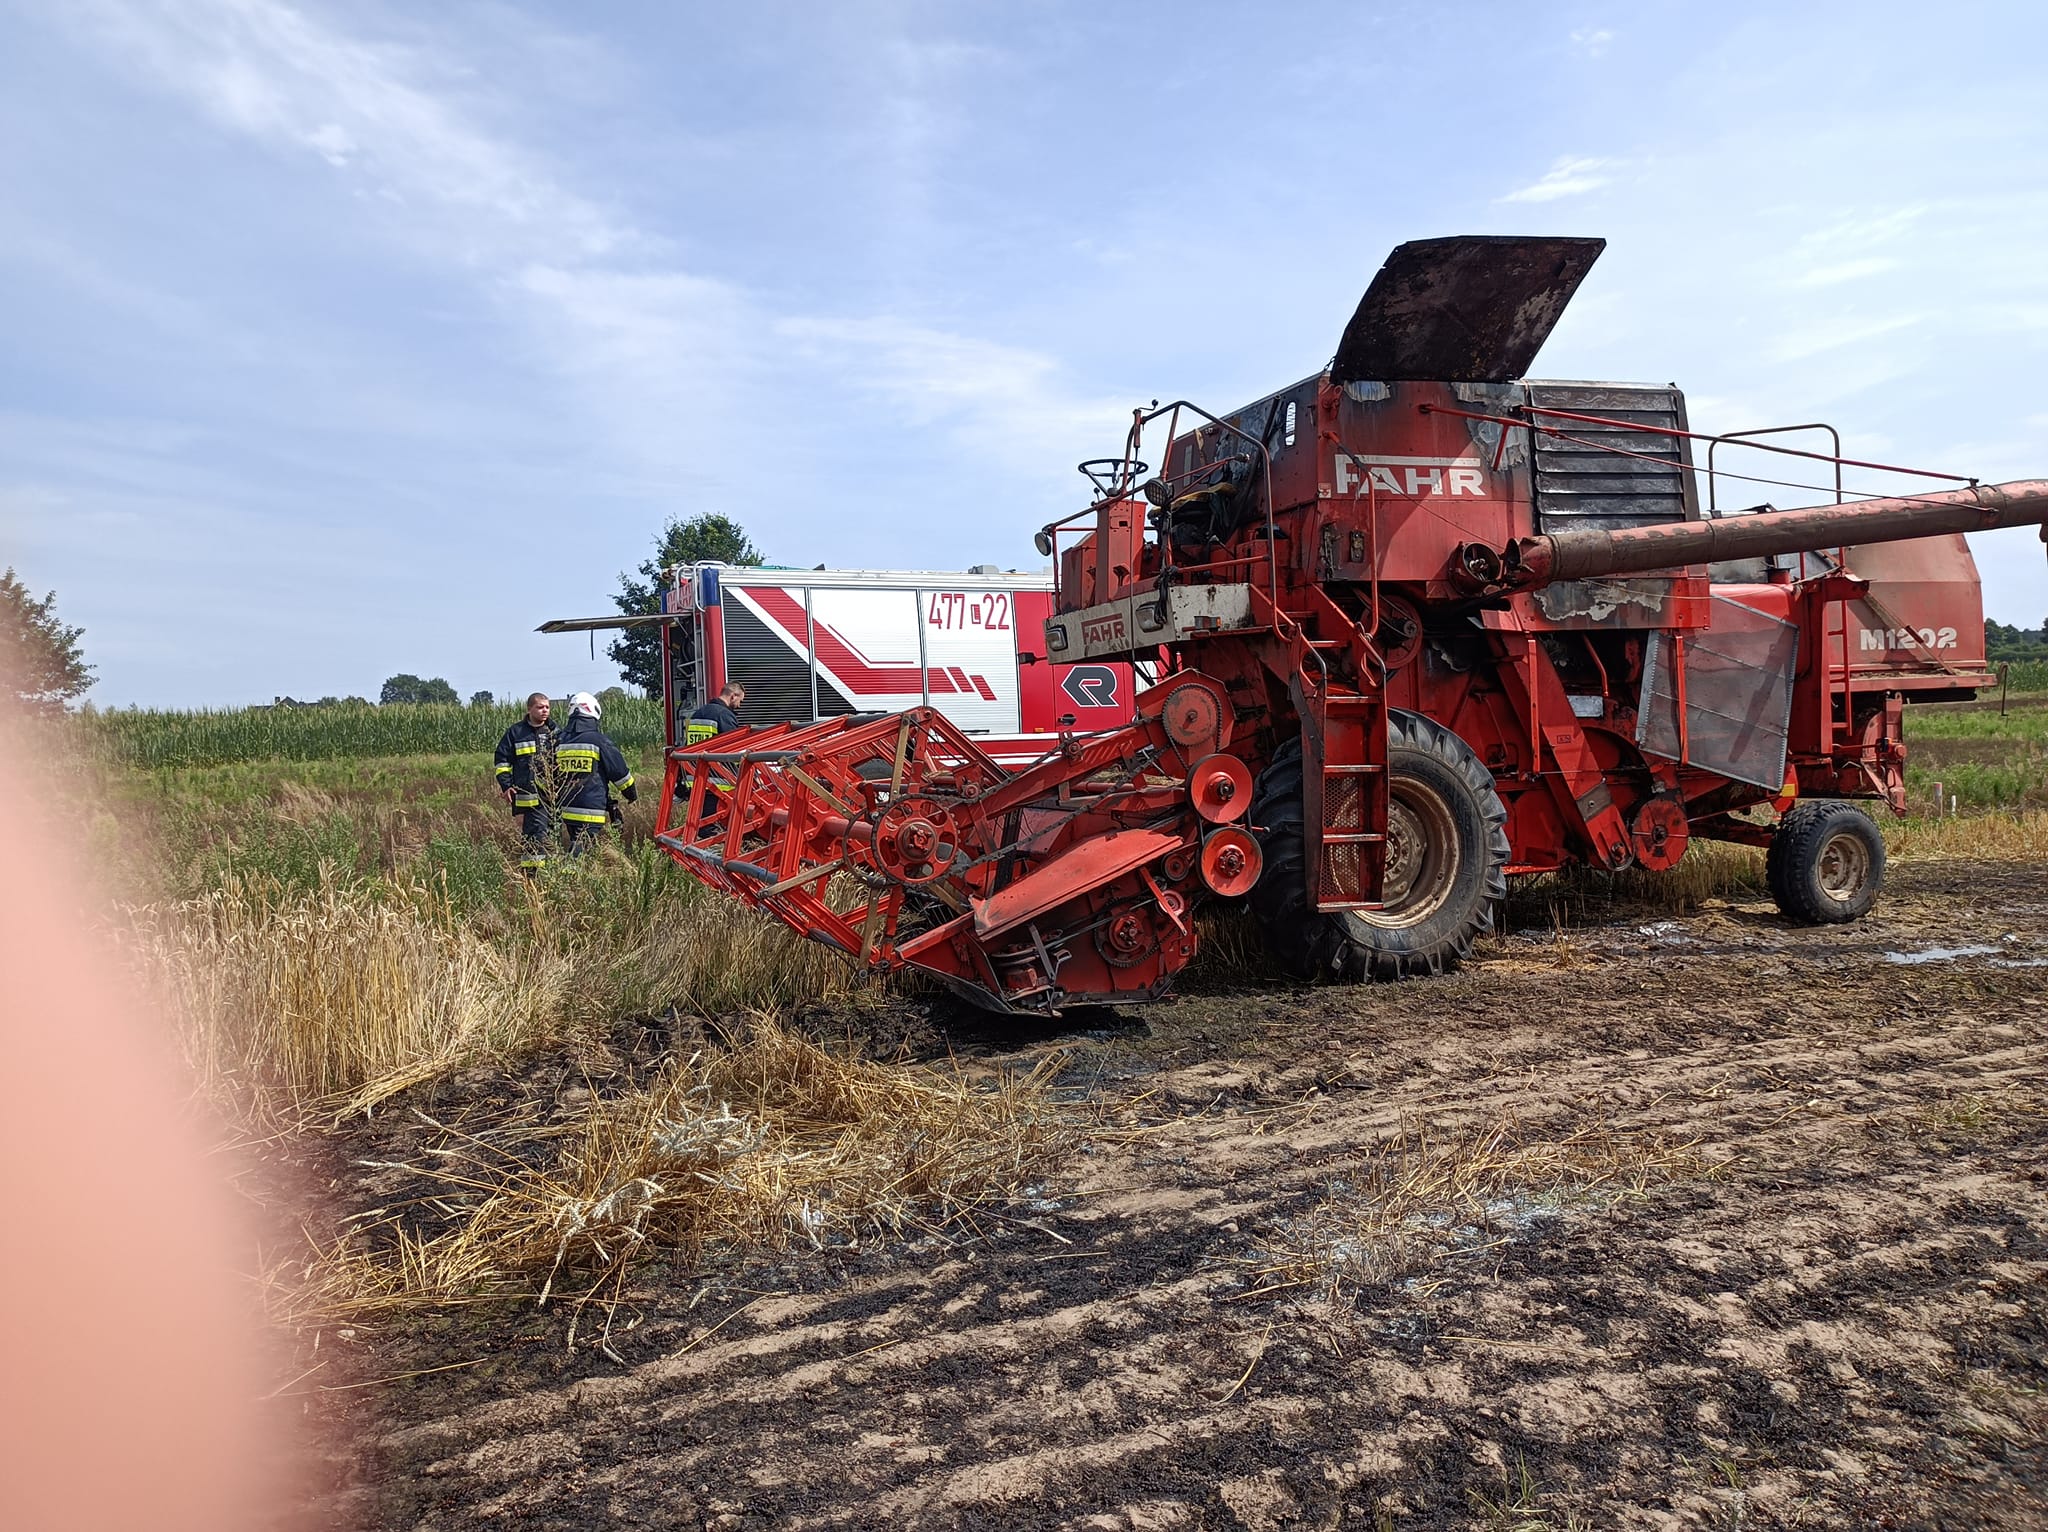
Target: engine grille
1607,477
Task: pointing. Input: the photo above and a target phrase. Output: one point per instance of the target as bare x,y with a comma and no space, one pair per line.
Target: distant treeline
219,737
2007,643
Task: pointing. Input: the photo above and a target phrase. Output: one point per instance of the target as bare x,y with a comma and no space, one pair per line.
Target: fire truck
812,644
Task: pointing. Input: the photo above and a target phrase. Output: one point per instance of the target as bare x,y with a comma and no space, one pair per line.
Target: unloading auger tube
1531,562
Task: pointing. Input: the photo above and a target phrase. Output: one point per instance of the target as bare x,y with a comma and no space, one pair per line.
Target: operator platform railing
1838,605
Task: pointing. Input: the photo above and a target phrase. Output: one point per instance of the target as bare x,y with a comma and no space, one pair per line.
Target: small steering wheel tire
1825,866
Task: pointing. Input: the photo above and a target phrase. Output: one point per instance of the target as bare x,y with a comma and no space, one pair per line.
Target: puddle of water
1938,954
2039,962
1668,933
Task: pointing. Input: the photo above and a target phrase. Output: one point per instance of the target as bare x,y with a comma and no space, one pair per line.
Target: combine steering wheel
1113,475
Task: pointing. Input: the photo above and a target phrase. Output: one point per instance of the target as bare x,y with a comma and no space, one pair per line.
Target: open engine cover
1474,308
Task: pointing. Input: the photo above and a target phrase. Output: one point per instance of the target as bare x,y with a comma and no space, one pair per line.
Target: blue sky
343,340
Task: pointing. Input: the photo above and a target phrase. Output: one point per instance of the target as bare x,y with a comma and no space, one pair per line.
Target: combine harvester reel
899,842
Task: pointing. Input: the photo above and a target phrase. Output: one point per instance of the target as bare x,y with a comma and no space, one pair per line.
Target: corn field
218,737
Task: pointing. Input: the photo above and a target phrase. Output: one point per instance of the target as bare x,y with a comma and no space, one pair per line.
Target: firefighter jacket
709,721
587,767
523,762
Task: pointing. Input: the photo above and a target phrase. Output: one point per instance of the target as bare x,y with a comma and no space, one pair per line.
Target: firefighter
708,722
525,765
715,716
589,768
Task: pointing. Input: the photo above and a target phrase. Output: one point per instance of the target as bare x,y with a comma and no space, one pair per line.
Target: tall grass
157,738
2025,718
767,1142
328,935
2019,837
336,997
316,995
2025,675
1980,757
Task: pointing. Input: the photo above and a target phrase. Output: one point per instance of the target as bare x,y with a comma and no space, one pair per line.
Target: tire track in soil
1844,1327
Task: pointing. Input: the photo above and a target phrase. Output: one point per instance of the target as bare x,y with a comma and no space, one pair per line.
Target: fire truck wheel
1826,863
1446,855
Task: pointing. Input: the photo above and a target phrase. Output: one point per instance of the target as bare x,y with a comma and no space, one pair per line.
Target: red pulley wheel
1659,833
1231,861
1193,717
1220,787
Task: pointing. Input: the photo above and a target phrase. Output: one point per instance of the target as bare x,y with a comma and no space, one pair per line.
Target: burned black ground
1835,1318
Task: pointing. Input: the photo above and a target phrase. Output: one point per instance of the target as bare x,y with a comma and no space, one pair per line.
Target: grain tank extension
1413,625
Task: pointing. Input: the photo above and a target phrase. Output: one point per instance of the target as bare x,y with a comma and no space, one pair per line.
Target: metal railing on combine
1116,479
1835,619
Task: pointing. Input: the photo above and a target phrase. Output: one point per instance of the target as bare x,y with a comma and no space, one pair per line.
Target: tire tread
1792,862
1337,946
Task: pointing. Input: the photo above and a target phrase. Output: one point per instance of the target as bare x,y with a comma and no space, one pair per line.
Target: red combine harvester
1418,624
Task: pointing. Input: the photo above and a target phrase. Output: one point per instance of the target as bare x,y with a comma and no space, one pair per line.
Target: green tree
39,655
2007,643
482,699
410,688
637,651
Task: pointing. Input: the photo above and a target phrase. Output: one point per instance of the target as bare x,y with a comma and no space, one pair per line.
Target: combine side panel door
1721,699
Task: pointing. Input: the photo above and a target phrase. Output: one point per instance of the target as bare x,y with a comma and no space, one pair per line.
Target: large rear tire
1825,865
1447,853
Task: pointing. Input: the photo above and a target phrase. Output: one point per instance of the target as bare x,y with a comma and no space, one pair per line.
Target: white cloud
1592,41
663,357
275,74
1567,177
1007,407
1845,271
1843,251
1860,232
332,142
1833,333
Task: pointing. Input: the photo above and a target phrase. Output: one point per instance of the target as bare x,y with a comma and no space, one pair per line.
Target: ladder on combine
1347,798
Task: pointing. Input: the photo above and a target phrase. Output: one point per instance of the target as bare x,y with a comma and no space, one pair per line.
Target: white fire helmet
585,704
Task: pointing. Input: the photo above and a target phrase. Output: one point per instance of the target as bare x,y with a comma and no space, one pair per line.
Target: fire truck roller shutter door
769,660
867,650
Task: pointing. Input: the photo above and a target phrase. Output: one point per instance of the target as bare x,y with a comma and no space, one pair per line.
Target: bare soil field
1637,1222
